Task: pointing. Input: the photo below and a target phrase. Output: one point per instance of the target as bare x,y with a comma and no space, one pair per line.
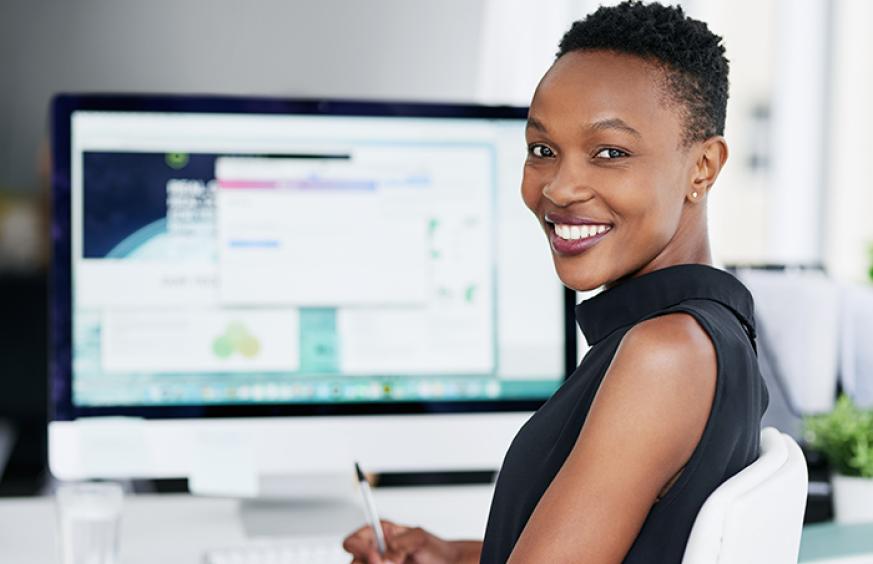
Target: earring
694,194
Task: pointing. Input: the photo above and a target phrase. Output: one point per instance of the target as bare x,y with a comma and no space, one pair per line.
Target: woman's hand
409,545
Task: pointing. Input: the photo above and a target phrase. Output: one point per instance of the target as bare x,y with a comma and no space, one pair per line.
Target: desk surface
843,544
176,529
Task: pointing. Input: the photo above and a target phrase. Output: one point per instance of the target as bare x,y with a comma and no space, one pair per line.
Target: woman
625,141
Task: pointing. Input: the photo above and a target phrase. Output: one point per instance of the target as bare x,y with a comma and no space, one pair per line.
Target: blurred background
795,190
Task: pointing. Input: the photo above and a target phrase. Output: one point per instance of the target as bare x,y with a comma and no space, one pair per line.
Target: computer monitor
246,288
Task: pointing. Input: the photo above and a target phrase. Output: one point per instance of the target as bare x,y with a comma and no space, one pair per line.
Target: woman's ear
711,156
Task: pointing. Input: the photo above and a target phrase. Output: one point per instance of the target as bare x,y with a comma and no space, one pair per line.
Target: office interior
789,216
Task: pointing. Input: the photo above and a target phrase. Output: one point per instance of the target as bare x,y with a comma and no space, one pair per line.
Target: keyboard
292,550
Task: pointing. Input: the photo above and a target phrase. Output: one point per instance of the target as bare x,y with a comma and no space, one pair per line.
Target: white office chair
757,515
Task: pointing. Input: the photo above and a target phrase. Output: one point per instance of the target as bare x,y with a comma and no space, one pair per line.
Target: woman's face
607,174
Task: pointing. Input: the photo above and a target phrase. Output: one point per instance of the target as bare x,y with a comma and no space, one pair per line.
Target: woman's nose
568,185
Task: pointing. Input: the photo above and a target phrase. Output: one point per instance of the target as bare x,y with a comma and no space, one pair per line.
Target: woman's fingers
409,541
404,545
392,529
373,557
359,542
392,557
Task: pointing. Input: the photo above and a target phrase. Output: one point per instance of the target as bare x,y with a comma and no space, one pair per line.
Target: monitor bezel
63,106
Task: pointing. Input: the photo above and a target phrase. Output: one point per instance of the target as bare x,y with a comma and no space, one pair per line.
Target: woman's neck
688,246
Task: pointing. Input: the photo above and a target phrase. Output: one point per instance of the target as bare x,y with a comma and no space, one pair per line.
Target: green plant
845,437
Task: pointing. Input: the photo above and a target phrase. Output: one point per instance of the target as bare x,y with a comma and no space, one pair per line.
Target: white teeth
573,232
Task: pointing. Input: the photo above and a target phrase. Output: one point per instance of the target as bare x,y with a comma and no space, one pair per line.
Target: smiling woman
624,143
609,137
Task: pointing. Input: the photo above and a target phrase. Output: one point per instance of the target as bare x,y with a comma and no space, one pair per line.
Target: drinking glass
89,517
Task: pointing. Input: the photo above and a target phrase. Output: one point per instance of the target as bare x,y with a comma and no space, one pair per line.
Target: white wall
401,49
848,197
738,204
800,114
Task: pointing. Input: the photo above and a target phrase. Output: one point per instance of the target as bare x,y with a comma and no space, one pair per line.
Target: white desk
830,543
177,529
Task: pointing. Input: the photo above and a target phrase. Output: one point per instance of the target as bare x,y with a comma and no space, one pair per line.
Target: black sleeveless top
724,308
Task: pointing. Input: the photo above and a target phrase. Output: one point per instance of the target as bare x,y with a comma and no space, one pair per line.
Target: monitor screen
310,255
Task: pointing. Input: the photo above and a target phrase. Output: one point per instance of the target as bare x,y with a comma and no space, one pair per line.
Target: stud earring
694,194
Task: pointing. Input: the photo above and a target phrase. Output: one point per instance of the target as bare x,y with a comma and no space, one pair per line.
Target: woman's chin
579,283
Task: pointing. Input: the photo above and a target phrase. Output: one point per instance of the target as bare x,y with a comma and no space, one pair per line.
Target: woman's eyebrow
600,125
614,123
534,123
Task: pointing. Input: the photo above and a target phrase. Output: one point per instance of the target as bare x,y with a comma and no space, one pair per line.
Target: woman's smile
570,235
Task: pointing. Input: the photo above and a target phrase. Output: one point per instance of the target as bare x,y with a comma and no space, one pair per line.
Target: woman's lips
575,239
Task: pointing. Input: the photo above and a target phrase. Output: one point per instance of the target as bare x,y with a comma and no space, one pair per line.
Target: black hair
692,57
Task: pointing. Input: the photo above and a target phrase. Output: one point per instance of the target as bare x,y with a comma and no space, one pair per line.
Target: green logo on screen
176,160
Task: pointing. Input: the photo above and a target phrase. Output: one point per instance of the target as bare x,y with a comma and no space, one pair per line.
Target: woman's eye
610,153
540,151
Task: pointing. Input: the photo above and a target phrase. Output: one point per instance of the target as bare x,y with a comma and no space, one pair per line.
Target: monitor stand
263,517
280,505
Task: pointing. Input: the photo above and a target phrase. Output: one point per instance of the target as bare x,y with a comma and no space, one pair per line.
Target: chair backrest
757,515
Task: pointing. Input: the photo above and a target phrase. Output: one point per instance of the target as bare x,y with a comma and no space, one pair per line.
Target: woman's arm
645,422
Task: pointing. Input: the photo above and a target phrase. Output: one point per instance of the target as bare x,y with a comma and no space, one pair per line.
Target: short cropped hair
692,57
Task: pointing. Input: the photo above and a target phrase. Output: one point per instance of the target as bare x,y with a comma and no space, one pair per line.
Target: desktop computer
246,291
